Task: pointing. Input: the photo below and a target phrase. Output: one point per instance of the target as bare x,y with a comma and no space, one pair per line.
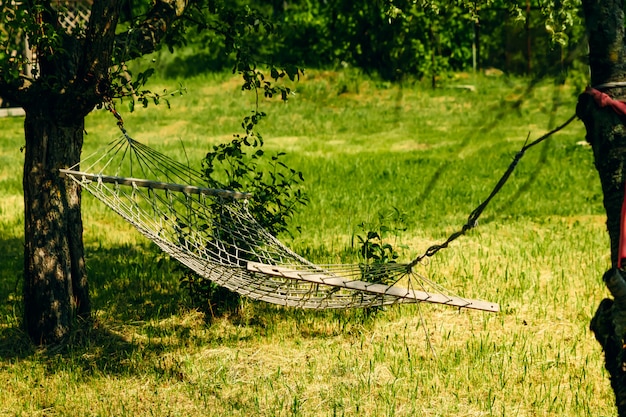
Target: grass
364,146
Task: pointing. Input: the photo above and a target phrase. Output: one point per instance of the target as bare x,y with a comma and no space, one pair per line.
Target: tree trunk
55,281
73,75
606,133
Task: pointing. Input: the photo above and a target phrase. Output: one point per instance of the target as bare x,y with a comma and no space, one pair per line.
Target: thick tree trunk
72,77
55,281
606,132
607,135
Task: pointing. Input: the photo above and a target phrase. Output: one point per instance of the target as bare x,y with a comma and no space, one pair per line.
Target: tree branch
146,37
99,38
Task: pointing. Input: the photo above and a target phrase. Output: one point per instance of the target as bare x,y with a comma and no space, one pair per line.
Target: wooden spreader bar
137,182
335,281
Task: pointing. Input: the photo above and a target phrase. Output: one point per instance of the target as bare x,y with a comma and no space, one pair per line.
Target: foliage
375,250
417,38
238,30
20,22
392,39
243,165
374,247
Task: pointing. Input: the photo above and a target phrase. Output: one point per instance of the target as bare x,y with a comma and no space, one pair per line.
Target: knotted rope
472,220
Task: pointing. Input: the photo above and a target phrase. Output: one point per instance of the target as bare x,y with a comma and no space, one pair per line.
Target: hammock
212,232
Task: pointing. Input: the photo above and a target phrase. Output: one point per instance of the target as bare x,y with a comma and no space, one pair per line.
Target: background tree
422,38
606,134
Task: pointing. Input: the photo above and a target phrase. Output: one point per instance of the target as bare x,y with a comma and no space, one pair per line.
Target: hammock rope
472,220
212,232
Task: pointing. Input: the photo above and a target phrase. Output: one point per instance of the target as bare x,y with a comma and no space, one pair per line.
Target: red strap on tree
619,107
622,233
604,100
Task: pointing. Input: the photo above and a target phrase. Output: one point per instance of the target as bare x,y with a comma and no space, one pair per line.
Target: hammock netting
213,233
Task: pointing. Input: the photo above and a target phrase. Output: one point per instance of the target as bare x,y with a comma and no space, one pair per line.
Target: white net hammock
212,232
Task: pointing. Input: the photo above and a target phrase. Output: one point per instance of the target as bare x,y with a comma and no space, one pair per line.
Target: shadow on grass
131,287
92,349
142,320
134,283
130,283
14,342
11,267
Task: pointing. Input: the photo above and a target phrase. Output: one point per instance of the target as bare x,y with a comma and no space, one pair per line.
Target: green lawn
364,146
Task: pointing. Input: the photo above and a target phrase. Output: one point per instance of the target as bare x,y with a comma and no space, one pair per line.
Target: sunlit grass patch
539,250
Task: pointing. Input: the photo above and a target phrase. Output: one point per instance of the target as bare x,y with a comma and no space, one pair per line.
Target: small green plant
243,165
374,247
376,252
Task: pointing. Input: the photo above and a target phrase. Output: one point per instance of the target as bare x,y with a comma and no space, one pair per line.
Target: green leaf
373,235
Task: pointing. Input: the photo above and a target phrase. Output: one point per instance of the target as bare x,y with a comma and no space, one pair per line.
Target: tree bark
73,77
71,80
606,133
55,281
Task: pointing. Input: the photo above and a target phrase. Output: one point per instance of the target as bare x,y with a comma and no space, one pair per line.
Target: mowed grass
364,146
